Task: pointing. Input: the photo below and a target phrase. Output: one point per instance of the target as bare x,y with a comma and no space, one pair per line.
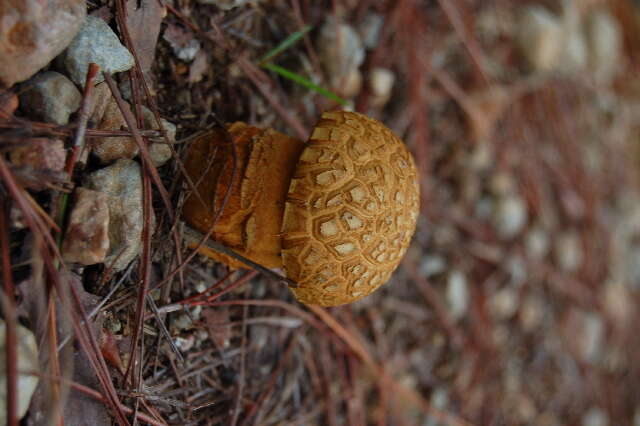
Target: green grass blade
297,78
285,44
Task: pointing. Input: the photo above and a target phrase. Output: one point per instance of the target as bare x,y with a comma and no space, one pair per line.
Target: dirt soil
516,304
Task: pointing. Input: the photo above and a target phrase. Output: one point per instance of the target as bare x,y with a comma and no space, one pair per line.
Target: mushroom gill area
251,221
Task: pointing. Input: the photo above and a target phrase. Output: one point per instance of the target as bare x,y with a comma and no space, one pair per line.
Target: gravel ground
516,304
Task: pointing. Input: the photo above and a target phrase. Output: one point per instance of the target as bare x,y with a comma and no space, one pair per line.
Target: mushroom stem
194,237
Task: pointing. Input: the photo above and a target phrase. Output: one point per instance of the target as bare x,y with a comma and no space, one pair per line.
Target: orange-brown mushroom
337,213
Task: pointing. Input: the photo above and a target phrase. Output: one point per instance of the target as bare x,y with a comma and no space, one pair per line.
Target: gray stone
52,98
97,43
432,265
33,32
370,29
27,354
122,183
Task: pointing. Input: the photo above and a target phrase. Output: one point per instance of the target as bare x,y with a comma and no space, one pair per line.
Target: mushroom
337,213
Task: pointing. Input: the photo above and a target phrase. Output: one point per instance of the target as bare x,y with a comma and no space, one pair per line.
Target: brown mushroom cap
351,210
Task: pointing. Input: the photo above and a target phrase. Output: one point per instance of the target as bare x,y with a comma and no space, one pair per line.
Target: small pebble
604,38
502,184
185,343
33,32
86,239
536,243
109,149
159,151
432,265
39,154
510,216
540,38
381,82
457,294
595,416
122,183
618,304
341,53
568,251
184,44
586,333
97,43
52,98
439,401
101,98
531,312
516,267
27,354
182,322
370,29
575,53
504,303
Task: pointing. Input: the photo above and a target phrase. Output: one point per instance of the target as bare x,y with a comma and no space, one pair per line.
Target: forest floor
517,302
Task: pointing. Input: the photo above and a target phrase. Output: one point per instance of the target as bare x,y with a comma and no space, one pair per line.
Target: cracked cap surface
351,210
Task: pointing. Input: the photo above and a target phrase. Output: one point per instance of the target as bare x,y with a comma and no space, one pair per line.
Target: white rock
540,38
604,38
432,265
439,400
595,416
381,82
510,216
589,332
27,354
575,51
341,53
457,294
97,43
